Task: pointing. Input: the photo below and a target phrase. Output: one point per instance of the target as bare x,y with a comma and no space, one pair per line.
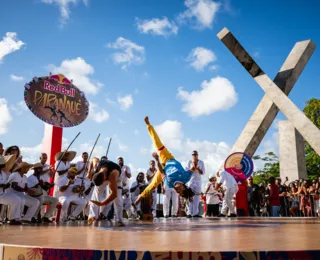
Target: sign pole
52,143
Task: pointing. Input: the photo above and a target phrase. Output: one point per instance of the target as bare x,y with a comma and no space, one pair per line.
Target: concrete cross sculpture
275,97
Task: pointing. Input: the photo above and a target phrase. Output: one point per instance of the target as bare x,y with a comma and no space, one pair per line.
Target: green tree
270,168
312,111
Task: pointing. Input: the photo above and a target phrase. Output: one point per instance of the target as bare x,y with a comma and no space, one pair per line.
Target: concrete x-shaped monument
275,97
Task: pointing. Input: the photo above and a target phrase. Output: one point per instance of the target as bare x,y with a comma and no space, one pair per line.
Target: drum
146,203
36,191
76,188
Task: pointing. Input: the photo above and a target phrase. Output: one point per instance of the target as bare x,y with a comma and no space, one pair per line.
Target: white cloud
125,102
200,13
121,121
200,57
271,144
16,78
213,67
110,101
79,71
5,116
256,54
9,44
129,53
157,26
171,134
144,150
122,147
19,107
98,151
216,94
136,131
97,114
212,154
64,7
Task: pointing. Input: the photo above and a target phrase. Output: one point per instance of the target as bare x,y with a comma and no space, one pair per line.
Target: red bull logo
61,79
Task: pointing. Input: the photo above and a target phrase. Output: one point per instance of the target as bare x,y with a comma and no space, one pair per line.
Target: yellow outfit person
164,155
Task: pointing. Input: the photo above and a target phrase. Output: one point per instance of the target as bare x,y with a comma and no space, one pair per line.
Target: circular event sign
240,165
56,101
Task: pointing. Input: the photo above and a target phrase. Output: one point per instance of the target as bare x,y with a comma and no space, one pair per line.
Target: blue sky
165,46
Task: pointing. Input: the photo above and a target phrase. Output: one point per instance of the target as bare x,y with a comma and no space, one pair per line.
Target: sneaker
46,220
73,219
14,222
35,221
197,216
233,216
166,216
222,216
120,224
188,216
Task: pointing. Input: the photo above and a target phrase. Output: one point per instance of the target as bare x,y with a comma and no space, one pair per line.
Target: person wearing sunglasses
212,197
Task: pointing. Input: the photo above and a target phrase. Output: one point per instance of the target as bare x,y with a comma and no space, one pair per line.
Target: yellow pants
164,155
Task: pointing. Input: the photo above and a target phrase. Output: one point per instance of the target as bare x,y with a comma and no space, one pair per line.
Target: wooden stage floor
249,238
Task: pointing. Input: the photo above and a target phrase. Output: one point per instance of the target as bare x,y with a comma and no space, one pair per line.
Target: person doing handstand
169,170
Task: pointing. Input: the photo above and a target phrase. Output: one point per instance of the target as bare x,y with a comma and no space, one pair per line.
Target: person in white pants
170,194
69,188
196,166
228,182
127,201
118,202
35,184
135,190
13,201
62,165
151,172
18,186
99,193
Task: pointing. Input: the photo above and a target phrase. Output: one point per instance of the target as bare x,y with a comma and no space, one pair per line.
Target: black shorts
212,210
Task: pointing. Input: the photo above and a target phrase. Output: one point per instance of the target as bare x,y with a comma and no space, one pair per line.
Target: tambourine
240,165
35,192
76,189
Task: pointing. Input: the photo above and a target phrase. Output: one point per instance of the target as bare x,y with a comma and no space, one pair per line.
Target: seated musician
135,190
69,188
35,185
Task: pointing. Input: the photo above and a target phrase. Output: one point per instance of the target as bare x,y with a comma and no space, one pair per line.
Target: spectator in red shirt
274,199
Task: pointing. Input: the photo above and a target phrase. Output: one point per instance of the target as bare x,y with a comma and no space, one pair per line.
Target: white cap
212,175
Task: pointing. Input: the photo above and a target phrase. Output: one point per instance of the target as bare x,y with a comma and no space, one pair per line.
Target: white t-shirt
196,176
123,176
46,177
151,173
3,180
79,166
212,195
227,180
32,181
136,193
16,177
62,167
68,192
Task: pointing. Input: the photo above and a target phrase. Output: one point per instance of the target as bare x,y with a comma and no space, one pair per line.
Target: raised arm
113,186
